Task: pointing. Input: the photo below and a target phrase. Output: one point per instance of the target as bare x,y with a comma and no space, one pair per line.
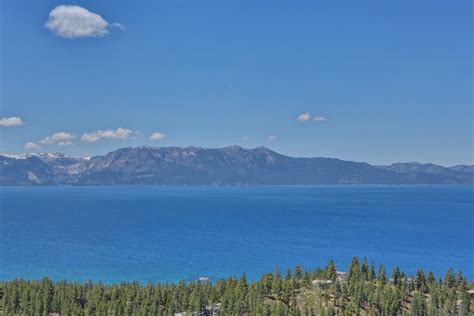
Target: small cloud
32,146
11,121
304,117
245,138
320,119
157,136
118,26
72,21
64,143
271,137
119,133
62,139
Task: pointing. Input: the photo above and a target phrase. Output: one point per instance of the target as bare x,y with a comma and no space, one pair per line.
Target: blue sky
392,79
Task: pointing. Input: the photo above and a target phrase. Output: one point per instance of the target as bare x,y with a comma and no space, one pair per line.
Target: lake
172,233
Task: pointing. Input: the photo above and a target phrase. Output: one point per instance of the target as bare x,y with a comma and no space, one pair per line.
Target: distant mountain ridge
214,166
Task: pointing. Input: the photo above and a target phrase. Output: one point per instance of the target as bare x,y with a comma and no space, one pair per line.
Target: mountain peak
231,165
233,147
264,149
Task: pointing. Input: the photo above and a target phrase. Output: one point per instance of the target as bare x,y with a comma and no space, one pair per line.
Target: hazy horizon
201,147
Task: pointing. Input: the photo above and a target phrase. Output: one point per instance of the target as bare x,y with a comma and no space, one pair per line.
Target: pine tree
449,279
396,276
420,280
276,283
371,274
298,273
431,279
364,269
331,272
354,270
382,277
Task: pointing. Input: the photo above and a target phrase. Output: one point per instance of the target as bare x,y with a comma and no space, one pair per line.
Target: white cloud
157,136
11,121
304,117
245,138
271,137
32,146
119,133
72,21
319,119
118,26
61,138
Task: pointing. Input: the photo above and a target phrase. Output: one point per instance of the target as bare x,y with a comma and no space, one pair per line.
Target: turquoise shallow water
172,233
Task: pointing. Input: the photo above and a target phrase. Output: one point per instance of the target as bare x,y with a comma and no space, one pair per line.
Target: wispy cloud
32,146
157,136
61,139
303,117
11,121
119,133
271,137
118,26
319,119
72,21
245,139
306,117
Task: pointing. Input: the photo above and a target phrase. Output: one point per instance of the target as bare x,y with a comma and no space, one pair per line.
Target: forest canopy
362,290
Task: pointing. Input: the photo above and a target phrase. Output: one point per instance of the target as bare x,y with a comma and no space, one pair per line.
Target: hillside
216,166
360,291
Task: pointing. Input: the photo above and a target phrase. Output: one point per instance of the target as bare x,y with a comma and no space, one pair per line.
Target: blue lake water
172,233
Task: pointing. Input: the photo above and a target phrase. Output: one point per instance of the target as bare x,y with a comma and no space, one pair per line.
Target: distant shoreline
232,185
232,165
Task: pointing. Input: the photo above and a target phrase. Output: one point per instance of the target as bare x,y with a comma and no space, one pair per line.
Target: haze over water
158,233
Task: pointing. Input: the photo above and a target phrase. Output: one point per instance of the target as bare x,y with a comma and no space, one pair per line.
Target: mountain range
214,166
